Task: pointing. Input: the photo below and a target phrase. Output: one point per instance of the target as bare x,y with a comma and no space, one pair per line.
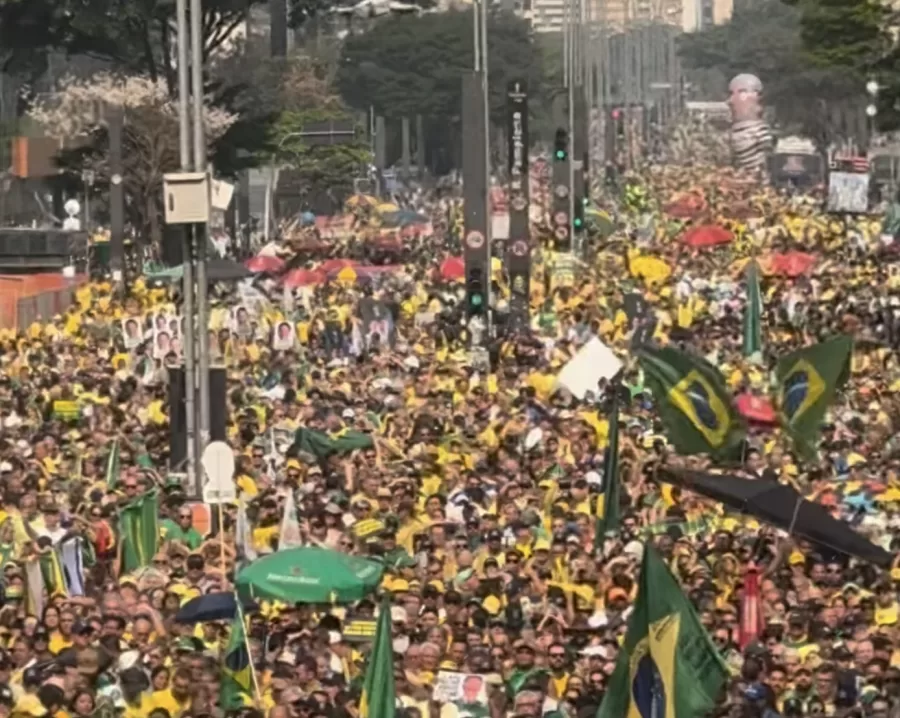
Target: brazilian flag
668,667
236,690
806,382
139,531
693,401
753,314
608,502
379,699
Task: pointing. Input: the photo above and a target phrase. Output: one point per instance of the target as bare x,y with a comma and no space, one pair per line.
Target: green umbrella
310,575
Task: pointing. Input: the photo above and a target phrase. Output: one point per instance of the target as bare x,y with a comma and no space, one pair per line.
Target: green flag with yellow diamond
379,699
667,667
693,402
805,384
236,686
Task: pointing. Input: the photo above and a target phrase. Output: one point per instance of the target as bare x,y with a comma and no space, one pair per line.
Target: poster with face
132,332
162,344
241,322
283,337
377,323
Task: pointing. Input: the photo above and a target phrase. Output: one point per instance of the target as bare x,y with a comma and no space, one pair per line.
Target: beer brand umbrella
310,575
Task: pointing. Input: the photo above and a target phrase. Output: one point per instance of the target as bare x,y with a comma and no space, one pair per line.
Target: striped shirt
751,142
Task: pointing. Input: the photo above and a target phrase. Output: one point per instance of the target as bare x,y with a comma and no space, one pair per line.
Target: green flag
667,667
139,531
806,381
693,401
378,697
608,502
322,445
236,689
753,314
112,465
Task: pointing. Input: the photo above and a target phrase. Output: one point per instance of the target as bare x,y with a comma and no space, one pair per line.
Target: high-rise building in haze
690,15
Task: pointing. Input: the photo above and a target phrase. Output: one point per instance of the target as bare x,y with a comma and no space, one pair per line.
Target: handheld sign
218,463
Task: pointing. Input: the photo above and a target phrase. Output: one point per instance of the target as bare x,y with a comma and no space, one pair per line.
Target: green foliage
813,57
312,169
845,34
407,65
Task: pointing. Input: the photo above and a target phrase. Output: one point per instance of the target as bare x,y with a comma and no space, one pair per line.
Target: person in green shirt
181,529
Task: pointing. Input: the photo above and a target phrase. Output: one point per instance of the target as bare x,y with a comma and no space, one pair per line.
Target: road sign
561,191
560,218
519,203
561,232
520,248
475,239
218,463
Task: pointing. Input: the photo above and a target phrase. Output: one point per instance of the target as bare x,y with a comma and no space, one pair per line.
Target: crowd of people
478,488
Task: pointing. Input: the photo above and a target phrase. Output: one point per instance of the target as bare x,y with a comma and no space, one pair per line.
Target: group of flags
698,412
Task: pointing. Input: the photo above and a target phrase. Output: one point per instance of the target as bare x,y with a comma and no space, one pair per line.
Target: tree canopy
407,65
813,57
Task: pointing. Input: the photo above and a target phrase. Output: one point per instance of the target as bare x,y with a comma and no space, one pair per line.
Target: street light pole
184,151
200,233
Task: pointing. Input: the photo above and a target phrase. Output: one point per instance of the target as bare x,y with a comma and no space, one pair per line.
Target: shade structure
782,507
212,607
788,264
756,408
262,263
302,277
707,235
453,269
310,575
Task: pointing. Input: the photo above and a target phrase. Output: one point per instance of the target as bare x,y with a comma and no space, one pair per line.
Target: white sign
218,463
594,361
220,194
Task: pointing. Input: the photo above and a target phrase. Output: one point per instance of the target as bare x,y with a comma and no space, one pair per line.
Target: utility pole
200,234
476,181
184,152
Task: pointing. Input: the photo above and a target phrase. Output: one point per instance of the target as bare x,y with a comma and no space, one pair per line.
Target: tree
133,36
150,136
812,77
408,65
320,177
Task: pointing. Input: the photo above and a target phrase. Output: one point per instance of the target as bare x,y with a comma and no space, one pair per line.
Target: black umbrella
780,506
211,607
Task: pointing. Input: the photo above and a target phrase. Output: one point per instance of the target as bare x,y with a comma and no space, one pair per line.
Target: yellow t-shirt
165,699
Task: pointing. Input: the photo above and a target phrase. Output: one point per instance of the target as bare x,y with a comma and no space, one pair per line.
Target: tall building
691,15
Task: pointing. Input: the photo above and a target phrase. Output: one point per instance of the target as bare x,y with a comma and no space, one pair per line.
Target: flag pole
257,693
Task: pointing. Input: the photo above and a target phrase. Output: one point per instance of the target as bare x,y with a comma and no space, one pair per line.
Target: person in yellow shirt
177,698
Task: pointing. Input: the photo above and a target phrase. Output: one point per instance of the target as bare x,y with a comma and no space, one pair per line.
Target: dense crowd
478,488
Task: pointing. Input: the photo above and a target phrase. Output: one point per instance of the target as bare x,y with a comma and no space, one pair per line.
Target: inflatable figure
751,139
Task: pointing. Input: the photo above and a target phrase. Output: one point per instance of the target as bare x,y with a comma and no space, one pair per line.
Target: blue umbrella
211,607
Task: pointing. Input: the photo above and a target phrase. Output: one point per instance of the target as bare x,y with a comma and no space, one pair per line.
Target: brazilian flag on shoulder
693,401
668,667
806,382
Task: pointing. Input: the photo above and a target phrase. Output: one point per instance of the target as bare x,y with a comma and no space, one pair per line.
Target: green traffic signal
577,222
560,154
476,300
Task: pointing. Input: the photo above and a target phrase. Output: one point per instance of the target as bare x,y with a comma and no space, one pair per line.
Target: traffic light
561,145
578,218
475,291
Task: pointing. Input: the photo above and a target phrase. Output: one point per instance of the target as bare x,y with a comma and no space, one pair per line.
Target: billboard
848,192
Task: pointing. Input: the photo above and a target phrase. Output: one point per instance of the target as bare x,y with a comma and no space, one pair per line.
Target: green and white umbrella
310,575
